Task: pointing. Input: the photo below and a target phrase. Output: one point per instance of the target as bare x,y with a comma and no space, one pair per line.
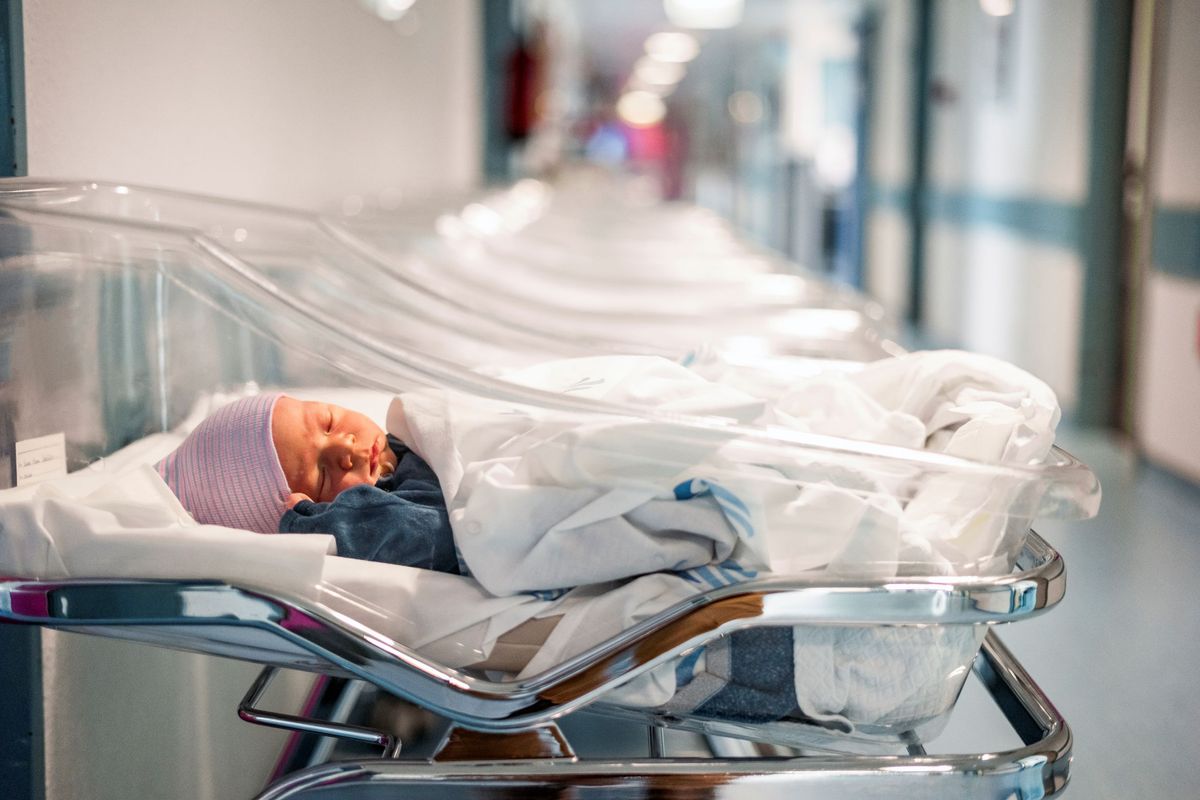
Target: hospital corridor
725,399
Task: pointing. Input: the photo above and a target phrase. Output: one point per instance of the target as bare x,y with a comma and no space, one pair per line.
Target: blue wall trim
889,197
1055,222
1176,244
1176,232
1051,221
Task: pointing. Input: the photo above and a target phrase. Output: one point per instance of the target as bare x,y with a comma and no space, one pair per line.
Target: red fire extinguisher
522,72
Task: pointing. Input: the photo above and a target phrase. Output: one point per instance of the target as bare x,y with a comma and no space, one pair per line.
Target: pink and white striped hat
226,472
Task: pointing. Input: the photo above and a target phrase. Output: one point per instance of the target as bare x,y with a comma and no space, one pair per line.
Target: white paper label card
41,459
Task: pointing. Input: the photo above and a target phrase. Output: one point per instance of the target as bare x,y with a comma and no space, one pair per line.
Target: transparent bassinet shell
432,278
596,256
117,323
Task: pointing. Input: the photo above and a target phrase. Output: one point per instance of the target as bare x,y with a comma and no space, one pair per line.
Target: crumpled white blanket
542,500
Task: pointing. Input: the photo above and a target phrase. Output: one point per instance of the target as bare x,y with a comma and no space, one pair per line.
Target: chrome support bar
657,745
1038,769
289,722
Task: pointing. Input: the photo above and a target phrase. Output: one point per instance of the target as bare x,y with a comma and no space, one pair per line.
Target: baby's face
325,449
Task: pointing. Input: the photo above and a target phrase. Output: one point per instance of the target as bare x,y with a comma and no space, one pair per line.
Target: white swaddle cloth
541,500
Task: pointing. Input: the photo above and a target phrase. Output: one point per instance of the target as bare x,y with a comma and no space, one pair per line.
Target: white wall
291,101
990,287
1176,177
1167,412
299,102
1032,140
987,287
1168,372
996,293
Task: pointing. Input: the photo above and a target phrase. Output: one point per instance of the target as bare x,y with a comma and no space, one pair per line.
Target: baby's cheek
349,481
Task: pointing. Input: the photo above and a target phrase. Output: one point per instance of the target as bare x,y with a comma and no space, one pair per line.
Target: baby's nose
342,450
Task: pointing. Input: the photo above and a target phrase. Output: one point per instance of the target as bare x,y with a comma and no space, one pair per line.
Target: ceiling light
672,46
659,73
389,10
641,109
704,13
998,8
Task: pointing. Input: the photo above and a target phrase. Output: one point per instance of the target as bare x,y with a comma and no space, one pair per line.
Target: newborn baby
272,463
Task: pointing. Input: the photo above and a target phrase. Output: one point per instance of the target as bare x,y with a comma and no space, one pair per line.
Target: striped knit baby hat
226,472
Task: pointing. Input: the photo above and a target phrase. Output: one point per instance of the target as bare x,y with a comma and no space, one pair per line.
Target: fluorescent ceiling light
672,46
641,109
659,73
998,8
704,13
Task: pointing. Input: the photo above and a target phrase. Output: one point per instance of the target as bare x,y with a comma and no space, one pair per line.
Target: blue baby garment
400,520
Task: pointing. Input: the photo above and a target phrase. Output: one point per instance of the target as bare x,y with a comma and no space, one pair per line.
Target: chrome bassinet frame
1038,769
224,619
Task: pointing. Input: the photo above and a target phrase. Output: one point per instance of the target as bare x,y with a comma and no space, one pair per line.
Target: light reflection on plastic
815,322
746,347
449,227
482,219
776,287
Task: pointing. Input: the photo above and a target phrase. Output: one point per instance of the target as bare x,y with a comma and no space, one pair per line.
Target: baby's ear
295,497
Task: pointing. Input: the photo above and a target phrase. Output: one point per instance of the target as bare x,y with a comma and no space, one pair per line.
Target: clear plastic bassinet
592,252
440,283
115,326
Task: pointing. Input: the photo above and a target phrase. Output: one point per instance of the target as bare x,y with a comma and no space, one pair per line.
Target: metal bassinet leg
1038,769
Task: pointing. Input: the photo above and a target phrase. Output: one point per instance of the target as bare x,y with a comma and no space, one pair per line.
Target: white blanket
541,500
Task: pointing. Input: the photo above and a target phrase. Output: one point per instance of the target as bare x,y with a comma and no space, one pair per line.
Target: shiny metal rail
221,619
273,719
1038,769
